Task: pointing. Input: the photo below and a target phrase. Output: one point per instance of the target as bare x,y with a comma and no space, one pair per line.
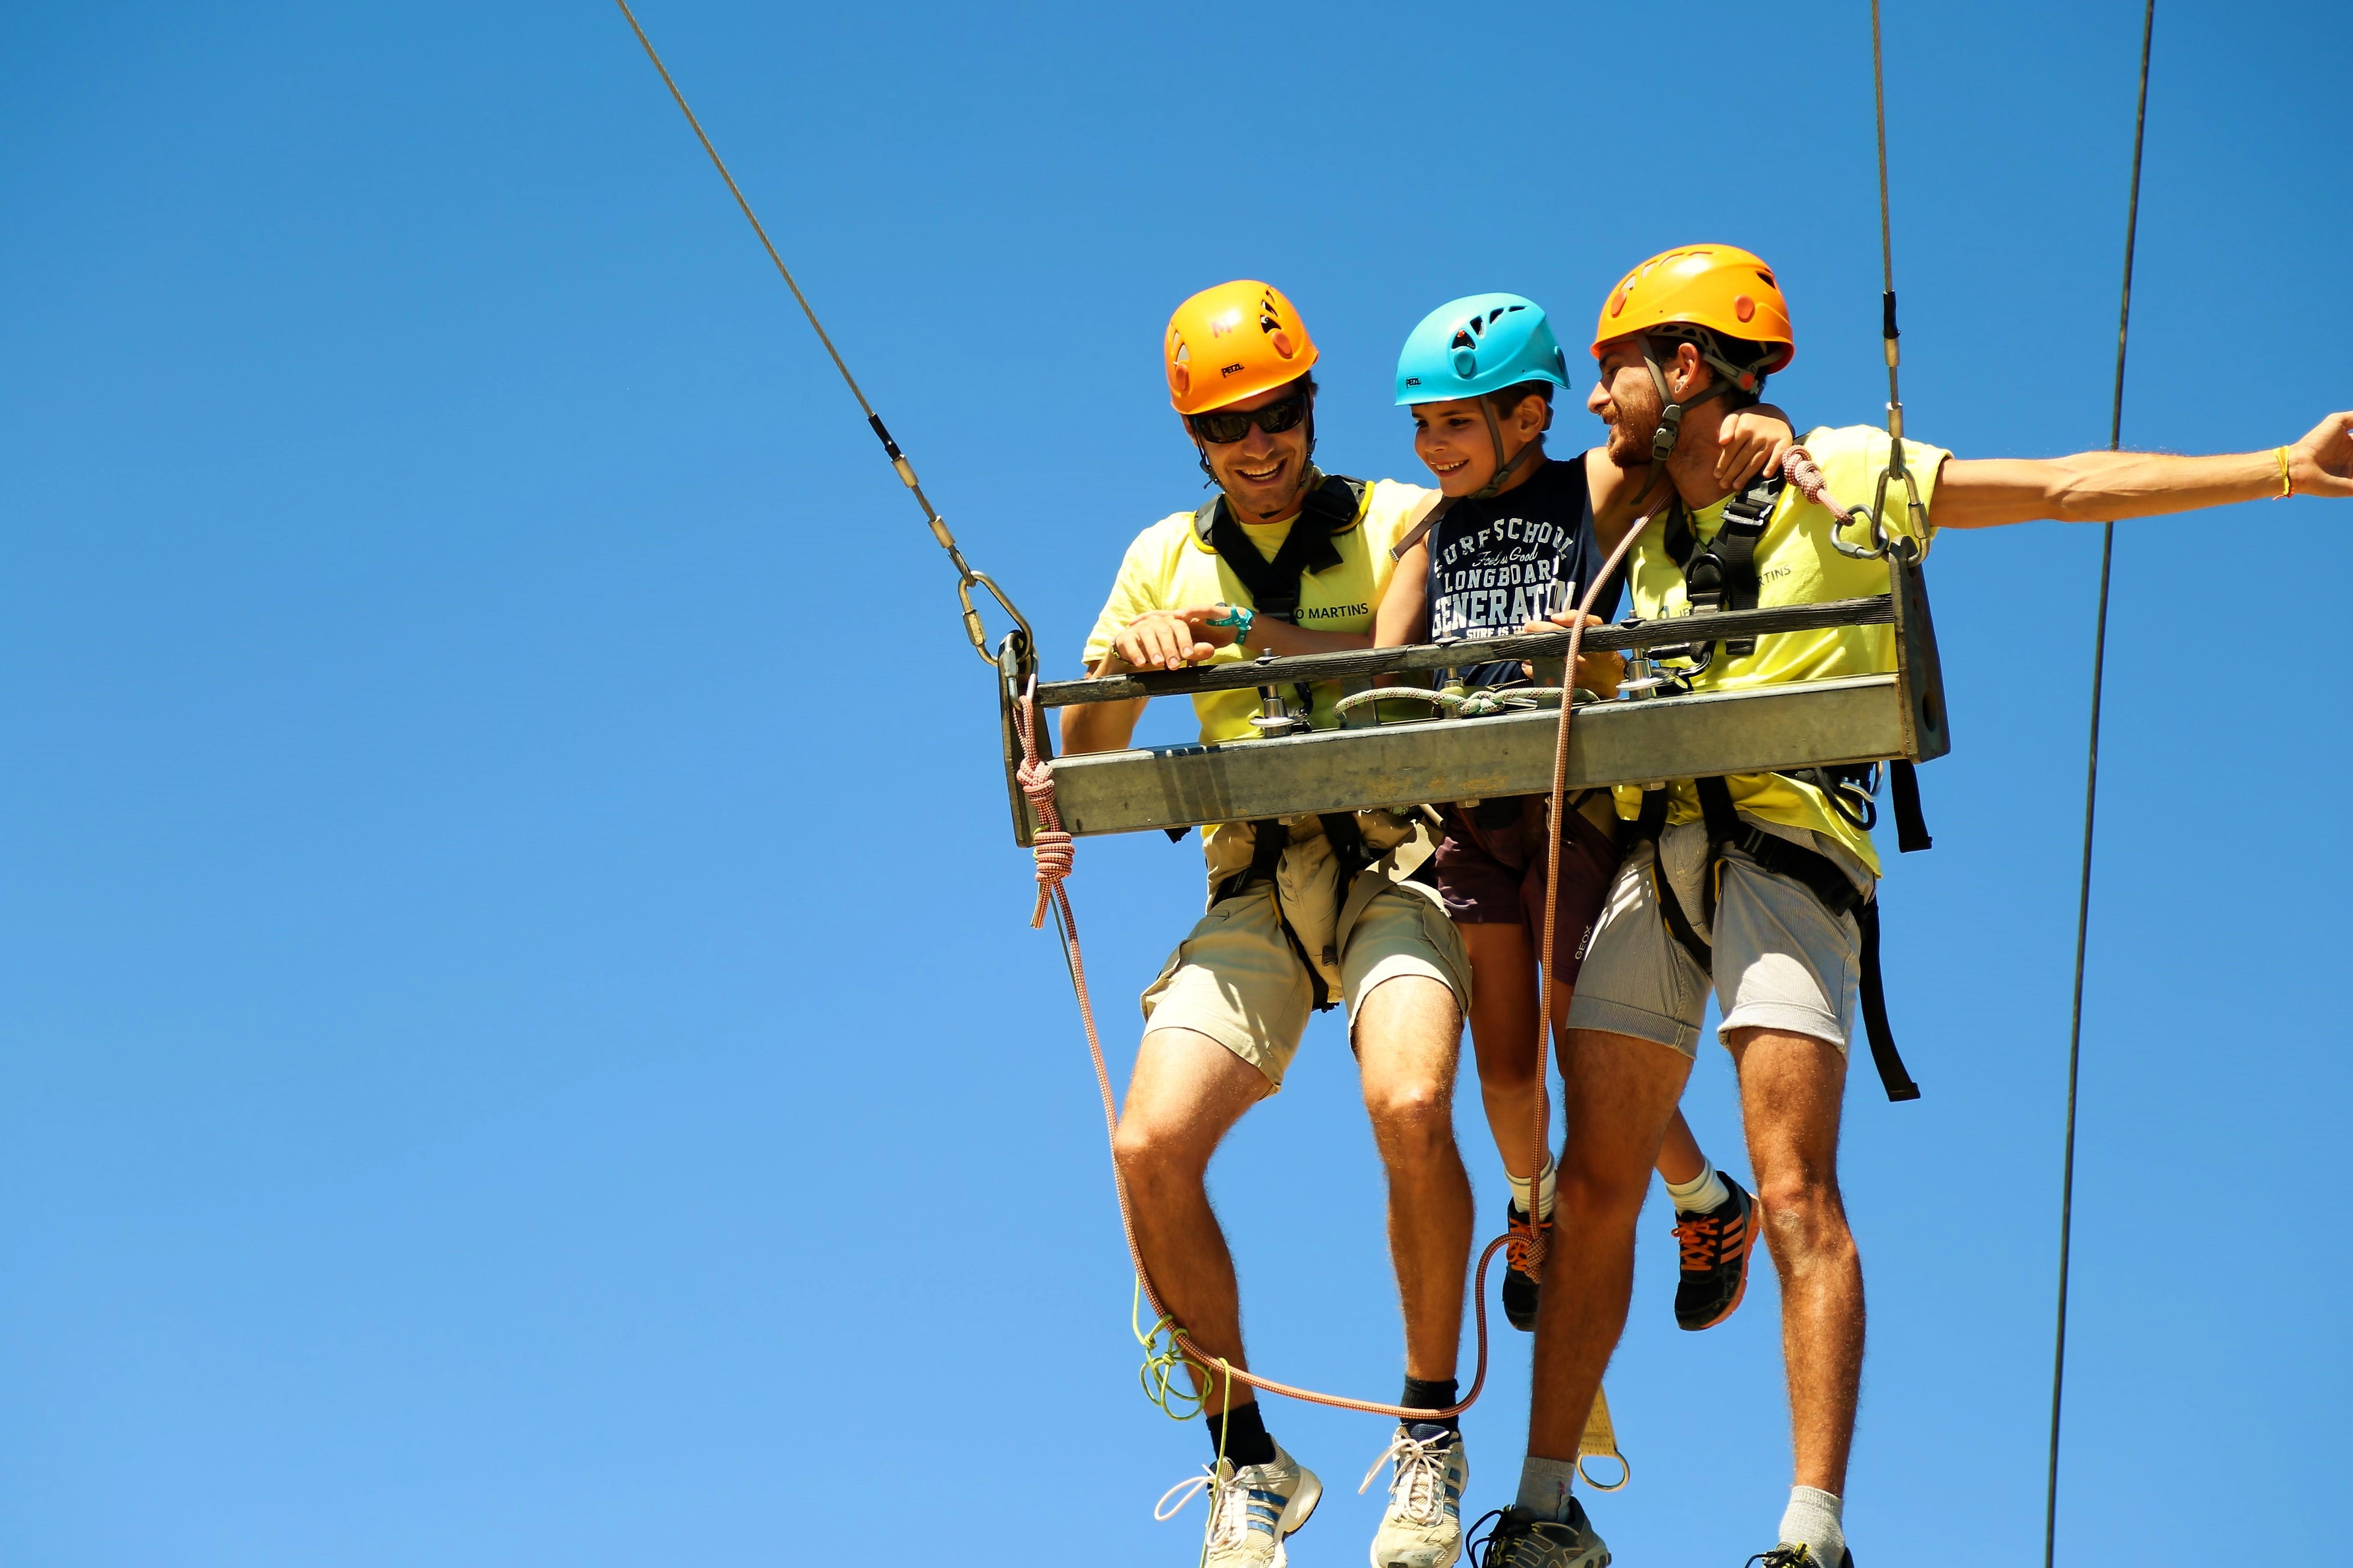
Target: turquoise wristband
1241,617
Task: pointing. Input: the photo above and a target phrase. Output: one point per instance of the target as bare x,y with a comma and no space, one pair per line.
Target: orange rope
1539,1243
1037,779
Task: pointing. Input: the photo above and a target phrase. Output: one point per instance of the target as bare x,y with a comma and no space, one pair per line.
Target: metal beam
1816,724
1233,675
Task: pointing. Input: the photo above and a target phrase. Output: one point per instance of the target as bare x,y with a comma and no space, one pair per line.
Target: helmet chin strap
1503,470
1672,412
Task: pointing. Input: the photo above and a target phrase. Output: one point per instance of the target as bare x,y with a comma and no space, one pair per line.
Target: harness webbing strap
1875,1026
1723,575
1268,839
1816,873
1326,508
1911,828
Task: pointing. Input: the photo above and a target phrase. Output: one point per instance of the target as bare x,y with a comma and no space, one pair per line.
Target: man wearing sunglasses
1304,914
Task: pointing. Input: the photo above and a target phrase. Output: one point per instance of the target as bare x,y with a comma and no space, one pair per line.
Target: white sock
1543,1487
1548,1183
1812,1520
1702,1194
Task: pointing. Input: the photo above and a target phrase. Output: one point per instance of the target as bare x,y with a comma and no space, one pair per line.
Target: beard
1630,437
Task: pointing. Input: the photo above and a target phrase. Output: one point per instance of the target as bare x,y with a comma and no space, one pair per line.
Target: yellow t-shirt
1170,568
1796,564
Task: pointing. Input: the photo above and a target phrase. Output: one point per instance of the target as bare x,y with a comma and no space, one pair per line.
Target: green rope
1163,1388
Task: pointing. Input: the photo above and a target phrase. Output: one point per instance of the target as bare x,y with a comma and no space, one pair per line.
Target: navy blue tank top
1498,563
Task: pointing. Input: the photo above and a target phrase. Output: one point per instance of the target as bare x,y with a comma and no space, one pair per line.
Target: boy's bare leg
1791,1090
1187,1093
1680,1159
1619,1093
1504,1037
1503,1034
1409,1040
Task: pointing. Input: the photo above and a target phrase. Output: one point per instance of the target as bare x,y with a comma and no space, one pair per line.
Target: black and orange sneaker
1716,1259
1801,1557
1520,1287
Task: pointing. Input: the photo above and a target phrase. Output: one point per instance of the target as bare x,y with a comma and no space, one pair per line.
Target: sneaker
1521,1539
1716,1245
1423,1526
1251,1510
1520,1287
1801,1557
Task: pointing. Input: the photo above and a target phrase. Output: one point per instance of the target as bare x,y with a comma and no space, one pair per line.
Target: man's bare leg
1187,1093
1503,1034
1620,1093
1409,1040
1791,1090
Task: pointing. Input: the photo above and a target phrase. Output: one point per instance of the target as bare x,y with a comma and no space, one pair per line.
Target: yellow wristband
2287,479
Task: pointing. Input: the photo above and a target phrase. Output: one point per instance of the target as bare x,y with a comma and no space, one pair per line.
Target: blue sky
520,1041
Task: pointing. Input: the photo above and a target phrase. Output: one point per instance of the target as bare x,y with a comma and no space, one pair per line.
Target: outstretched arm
2107,486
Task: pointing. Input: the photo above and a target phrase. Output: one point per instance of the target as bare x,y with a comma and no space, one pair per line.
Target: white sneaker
1251,1510
1423,1526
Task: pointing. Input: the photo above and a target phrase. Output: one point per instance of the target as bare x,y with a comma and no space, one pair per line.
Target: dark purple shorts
1491,871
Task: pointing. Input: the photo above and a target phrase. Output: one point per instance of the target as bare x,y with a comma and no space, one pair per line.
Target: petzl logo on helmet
1231,368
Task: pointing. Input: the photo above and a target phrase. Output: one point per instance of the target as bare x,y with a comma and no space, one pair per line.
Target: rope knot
1051,848
1798,466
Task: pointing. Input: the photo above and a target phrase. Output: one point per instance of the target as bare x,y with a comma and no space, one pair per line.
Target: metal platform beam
1813,724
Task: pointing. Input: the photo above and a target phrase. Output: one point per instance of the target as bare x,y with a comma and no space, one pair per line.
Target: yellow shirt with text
1169,568
1796,564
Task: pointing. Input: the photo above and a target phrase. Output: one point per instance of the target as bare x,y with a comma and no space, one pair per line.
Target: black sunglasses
1224,426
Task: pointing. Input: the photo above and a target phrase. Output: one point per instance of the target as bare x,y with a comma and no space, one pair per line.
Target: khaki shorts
1782,959
1237,979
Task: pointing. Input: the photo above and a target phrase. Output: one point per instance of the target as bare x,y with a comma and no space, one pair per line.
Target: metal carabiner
973,630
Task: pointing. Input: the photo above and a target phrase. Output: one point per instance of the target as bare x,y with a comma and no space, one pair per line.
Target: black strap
1911,828
1647,825
1722,577
1268,839
1273,586
1838,893
1875,1028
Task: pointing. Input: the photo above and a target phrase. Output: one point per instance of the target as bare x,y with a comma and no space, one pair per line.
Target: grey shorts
1782,959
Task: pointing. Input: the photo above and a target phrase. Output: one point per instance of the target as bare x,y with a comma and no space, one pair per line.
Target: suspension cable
966,578
1916,511
2091,802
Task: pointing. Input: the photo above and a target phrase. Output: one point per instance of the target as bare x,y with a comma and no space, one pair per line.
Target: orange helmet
1233,341
1719,287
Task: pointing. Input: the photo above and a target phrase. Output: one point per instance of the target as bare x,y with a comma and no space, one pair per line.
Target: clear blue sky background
521,1042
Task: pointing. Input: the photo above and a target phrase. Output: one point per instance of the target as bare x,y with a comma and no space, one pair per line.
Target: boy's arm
1750,442
2107,486
1402,617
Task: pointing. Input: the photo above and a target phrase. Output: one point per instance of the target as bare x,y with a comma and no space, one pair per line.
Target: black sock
1240,1434
1430,1395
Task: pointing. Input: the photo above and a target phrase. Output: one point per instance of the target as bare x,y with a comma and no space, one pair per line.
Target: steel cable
2090,803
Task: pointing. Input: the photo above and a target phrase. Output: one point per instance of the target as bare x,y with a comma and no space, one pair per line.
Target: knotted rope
1050,846
1798,466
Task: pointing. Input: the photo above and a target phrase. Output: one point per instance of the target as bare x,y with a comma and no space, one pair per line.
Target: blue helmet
1482,343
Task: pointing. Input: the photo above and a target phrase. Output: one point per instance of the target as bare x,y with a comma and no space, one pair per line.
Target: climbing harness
967,578
2091,781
